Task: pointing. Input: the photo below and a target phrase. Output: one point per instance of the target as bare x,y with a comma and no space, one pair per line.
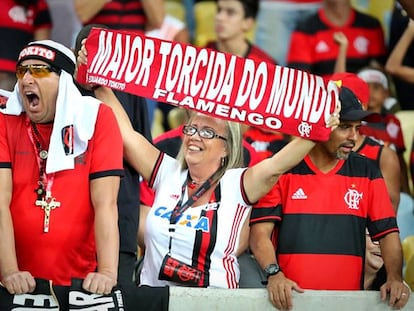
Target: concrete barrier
206,299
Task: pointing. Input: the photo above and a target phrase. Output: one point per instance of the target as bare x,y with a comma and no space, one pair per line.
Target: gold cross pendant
47,204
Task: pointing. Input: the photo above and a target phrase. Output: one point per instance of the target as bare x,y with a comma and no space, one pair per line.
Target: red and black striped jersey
126,15
17,28
371,149
321,219
313,49
266,143
387,131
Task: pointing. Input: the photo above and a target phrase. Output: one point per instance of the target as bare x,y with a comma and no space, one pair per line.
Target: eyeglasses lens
189,130
206,133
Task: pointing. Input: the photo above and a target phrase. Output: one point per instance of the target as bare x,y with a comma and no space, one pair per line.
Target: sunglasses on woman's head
36,70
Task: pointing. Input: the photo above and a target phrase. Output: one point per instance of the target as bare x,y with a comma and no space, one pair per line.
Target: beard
342,155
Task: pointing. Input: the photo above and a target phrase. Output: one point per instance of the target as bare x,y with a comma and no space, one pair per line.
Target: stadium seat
204,13
382,10
405,216
157,127
175,8
408,250
176,117
409,273
406,118
408,247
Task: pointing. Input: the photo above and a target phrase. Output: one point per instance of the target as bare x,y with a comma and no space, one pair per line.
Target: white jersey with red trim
205,237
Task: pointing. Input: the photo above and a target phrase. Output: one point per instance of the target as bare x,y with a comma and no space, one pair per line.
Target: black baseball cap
351,108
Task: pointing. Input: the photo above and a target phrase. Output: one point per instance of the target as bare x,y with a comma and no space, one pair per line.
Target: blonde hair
234,158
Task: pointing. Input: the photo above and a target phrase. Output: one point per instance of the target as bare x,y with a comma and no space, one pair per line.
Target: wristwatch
271,269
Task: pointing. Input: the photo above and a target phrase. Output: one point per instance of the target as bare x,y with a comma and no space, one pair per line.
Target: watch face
272,269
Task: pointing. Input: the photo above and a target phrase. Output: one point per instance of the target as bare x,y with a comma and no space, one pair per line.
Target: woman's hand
334,120
82,59
82,56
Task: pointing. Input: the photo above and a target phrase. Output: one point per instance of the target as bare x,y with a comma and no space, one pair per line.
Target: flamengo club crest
305,129
352,198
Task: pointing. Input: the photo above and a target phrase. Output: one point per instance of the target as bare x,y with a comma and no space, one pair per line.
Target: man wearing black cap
60,170
315,237
129,191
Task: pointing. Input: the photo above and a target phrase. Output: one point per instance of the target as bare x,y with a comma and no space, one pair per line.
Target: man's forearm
261,244
107,244
8,259
392,254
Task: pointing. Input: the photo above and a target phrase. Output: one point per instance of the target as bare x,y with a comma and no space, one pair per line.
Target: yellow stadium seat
408,250
408,247
382,10
176,117
409,273
157,127
204,14
406,118
175,8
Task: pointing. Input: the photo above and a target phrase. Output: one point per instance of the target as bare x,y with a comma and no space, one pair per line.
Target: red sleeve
268,208
107,143
5,160
146,194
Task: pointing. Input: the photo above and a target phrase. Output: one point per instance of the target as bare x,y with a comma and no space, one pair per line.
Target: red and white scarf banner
215,83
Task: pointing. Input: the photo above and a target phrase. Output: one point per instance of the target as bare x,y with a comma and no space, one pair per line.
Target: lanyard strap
44,178
180,208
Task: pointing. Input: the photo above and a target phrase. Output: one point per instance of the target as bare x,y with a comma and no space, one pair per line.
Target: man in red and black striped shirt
315,237
385,157
313,48
129,15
